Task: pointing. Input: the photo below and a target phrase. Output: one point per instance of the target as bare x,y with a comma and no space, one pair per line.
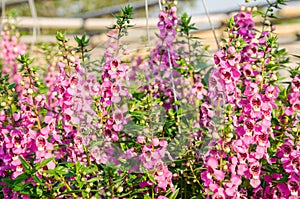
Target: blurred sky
195,7
192,7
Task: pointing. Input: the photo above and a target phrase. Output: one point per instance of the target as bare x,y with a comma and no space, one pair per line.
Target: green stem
152,193
87,155
193,172
82,54
191,71
67,186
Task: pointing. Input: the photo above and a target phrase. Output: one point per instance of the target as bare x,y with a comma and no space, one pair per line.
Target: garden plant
165,125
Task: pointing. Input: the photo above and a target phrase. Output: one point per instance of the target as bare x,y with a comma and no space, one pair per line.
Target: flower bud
30,91
225,167
254,9
258,79
120,189
273,77
229,135
227,149
231,50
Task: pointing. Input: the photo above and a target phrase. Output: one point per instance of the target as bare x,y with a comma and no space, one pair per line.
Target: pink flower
296,84
248,71
212,162
162,197
146,183
272,92
198,90
219,57
249,127
219,175
258,193
206,110
219,194
293,185
251,89
256,102
255,172
231,50
155,141
141,139
146,153
285,150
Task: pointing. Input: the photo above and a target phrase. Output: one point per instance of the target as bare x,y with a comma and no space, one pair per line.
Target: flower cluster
241,85
10,49
115,134
152,158
163,58
113,87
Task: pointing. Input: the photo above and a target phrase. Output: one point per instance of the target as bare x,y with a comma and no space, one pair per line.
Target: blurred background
39,20
71,8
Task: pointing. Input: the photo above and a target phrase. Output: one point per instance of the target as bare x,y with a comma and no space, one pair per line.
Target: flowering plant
183,129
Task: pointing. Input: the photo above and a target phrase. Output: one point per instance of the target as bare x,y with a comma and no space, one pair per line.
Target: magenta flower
141,139
155,141
248,71
206,110
285,150
212,162
219,58
293,185
258,193
219,194
232,186
296,84
162,197
198,90
272,92
146,183
118,119
254,170
256,102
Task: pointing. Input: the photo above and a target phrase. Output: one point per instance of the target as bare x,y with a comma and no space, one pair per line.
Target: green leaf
173,194
60,170
36,179
95,179
146,196
18,186
26,165
43,163
90,169
21,178
206,77
11,86
50,172
39,191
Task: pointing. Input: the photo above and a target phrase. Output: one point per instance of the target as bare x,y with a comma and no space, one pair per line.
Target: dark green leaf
43,163
26,165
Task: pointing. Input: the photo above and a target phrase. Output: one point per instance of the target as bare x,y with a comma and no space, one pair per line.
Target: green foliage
123,21
269,13
82,43
185,24
8,96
